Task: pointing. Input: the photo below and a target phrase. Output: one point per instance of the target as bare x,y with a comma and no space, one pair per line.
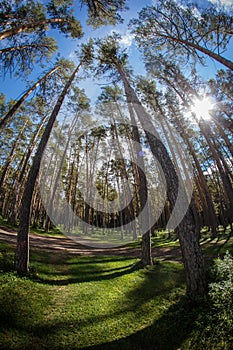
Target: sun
202,107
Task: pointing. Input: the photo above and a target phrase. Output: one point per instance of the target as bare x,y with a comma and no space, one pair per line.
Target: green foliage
221,291
214,324
178,30
104,12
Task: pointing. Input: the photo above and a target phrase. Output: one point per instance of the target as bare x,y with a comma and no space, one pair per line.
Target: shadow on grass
90,271
218,248
166,333
166,330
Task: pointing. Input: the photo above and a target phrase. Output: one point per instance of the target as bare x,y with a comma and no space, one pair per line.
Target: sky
14,87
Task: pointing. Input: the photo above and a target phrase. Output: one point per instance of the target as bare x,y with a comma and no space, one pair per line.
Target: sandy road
65,244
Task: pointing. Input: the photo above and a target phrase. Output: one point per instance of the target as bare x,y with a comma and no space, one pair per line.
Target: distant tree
112,96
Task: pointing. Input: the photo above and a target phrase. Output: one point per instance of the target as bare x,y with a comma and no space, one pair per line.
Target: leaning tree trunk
210,206
29,25
22,249
227,63
187,230
14,108
146,255
11,155
20,180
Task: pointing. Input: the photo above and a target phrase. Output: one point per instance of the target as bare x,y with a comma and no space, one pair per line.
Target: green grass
217,246
75,302
54,232
104,302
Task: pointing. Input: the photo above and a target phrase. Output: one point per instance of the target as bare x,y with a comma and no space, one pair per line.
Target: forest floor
67,245
78,297
211,248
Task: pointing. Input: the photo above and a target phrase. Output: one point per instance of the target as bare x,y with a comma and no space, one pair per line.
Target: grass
54,232
104,302
217,246
74,302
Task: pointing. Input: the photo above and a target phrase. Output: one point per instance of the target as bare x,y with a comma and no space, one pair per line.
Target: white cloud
222,2
72,56
127,39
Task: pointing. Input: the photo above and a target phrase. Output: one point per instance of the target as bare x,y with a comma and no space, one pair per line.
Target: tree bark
30,25
11,155
187,230
13,109
227,63
22,249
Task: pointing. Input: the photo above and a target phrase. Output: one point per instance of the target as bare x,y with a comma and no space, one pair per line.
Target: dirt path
65,244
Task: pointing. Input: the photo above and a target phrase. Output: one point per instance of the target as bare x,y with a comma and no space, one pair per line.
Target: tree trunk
30,25
22,249
211,212
11,155
224,175
143,194
13,109
187,230
20,181
227,63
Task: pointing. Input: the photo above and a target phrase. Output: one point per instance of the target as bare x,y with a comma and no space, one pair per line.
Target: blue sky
14,87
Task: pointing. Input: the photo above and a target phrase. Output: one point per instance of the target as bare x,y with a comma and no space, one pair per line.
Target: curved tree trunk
187,231
22,249
227,63
13,109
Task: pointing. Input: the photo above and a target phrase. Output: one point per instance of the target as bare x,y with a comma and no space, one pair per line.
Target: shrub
221,292
213,328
